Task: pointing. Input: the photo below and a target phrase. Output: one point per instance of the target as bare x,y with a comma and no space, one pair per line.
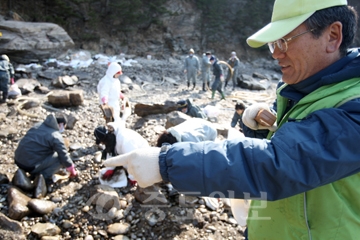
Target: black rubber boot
4,97
204,89
188,84
193,86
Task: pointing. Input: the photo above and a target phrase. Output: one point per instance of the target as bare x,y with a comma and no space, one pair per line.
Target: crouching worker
187,107
42,150
106,136
192,130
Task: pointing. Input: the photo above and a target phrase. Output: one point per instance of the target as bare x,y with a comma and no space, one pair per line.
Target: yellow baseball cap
288,15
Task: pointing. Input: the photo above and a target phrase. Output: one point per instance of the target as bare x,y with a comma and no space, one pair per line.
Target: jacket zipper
306,218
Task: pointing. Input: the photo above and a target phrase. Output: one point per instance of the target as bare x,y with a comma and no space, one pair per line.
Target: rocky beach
67,210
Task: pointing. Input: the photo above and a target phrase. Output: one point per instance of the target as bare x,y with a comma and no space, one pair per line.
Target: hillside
158,27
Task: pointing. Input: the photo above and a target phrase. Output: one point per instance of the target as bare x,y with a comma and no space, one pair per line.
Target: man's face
110,128
304,57
184,110
62,127
239,111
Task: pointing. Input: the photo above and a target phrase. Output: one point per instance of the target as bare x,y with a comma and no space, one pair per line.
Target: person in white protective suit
191,130
109,89
126,141
126,138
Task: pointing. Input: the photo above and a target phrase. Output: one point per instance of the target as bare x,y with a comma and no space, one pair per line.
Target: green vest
329,212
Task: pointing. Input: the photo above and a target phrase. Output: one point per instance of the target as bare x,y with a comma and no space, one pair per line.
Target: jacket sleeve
11,70
195,111
234,119
301,155
60,148
104,90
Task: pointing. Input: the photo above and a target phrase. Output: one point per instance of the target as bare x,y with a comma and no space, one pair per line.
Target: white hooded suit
109,88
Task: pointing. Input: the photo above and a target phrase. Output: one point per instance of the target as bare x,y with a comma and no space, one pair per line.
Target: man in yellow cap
304,179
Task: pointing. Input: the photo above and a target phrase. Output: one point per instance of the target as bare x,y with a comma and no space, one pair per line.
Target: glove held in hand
72,170
250,114
142,164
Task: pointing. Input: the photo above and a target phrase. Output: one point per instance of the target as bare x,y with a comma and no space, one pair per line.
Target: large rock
10,229
22,181
41,206
45,229
143,110
175,118
62,98
104,198
27,42
18,204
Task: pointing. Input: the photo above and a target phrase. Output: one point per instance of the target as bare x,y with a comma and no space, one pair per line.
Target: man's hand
250,113
72,171
142,163
221,78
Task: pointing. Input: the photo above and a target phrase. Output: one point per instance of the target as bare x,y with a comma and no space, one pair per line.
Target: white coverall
109,89
127,140
194,130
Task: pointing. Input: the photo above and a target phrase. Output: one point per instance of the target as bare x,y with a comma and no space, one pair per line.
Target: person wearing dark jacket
234,63
219,78
248,132
304,179
187,107
6,76
42,150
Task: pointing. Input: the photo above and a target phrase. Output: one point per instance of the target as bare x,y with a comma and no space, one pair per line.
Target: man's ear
335,37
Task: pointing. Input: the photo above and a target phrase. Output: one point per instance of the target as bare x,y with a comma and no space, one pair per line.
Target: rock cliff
157,27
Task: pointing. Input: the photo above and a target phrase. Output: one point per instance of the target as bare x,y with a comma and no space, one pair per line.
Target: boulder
249,83
41,206
10,229
27,42
22,181
64,98
175,118
104,198
143,110
18,204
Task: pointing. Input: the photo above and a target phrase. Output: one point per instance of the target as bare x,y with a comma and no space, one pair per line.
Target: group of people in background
193,68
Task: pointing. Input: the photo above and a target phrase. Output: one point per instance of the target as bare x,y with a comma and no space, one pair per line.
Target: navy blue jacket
40,142
301,155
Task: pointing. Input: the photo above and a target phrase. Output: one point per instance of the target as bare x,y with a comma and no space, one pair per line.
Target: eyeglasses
282,43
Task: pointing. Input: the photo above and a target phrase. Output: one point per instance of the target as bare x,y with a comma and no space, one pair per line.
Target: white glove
250,113
142,163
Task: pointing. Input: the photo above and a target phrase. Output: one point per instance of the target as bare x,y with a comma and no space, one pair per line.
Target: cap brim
275,30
